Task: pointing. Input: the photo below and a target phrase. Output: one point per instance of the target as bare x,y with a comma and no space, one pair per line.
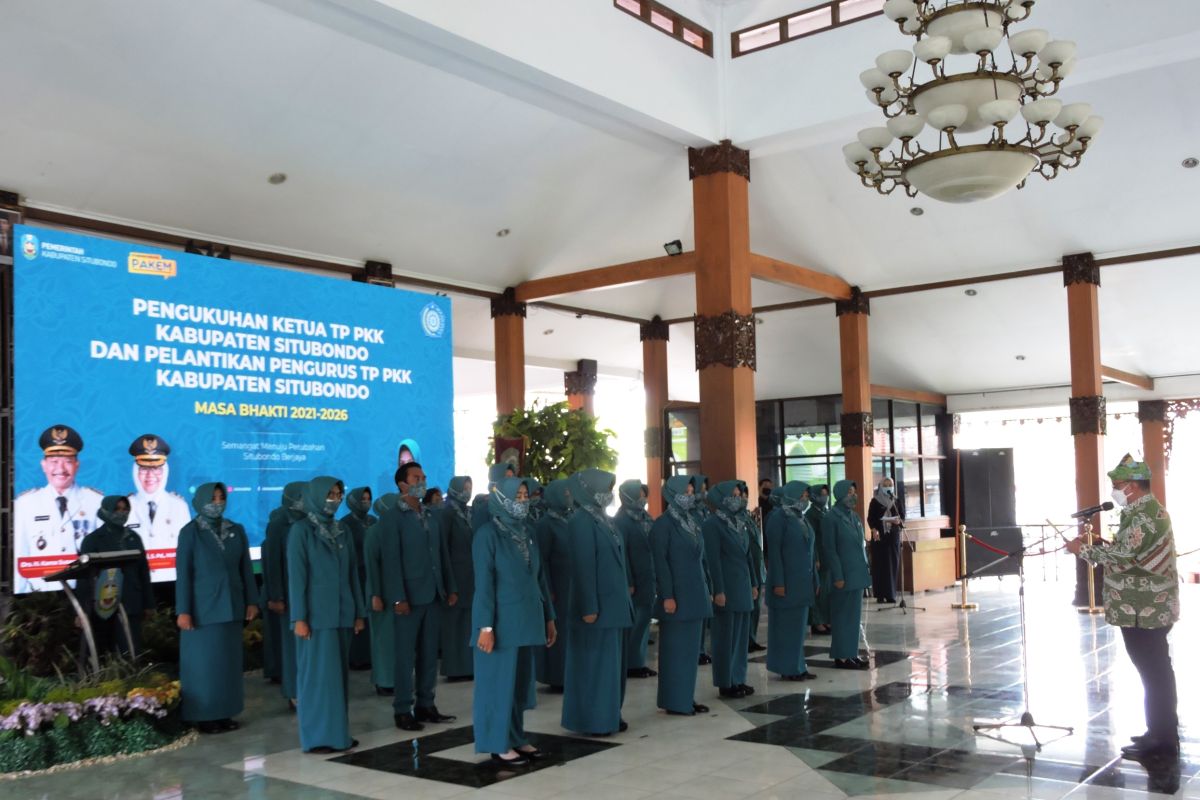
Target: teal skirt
323,688
210,672
383,649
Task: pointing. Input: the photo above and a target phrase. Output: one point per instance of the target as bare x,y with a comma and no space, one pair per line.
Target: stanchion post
964,602
1091,607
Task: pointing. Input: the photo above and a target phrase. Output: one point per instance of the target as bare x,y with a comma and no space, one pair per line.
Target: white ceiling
412,133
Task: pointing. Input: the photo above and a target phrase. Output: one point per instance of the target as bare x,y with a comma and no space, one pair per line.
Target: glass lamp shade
1041,111
856,152
1090,127
896,10
968,90
951,115
999,111
967,176
888,97
875,79
913,26
932,48
1029,42
894,62
955,22
906,126
1073,115
875,138
1059,51
984,40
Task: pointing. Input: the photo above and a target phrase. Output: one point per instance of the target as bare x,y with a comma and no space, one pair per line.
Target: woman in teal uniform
701,512
791,582
480,508
382,635
275,582
326,604
684,597
754,531
214,584
844,548
818,612
734,574
634,523
457,658
551,537
357,523
512,619
600,611
133,590
537,502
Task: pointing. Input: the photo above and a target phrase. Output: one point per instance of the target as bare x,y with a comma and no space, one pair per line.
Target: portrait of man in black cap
53,519
155,513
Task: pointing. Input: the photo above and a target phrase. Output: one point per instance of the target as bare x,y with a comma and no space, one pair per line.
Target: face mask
603,499
119,518
1118,496
821,500
851,500
766,492
332,506
417,491
888,489
517,509
685,501
804,505
213,510
734,504
296,505
639,502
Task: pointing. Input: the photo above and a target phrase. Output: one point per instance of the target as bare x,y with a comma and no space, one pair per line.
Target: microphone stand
903,605
1026,720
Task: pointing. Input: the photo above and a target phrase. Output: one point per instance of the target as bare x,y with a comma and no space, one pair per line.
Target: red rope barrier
986,546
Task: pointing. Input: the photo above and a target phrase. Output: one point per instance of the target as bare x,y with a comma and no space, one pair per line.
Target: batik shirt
1141,583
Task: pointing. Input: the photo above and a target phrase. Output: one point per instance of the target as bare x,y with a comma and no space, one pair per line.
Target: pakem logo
433,320
152,264
29,246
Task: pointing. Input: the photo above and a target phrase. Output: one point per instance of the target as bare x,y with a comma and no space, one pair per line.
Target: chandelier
983,99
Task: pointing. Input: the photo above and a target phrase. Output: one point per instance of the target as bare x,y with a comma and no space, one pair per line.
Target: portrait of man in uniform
156,514
53,519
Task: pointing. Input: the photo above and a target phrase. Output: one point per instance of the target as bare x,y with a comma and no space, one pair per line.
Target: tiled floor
902,728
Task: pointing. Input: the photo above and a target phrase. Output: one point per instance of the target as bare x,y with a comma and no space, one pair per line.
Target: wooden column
724,324
508,316
858,426
1081,276
1153,416
581,386
655,335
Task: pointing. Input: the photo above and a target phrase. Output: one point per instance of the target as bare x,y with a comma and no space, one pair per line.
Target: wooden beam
604,277
775,271
912,395
1127,378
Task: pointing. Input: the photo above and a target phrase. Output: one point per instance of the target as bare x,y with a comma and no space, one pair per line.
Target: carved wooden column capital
582,381
717,158
1088,415
1152,411
655,330
1080,268
506,305
725,339
858,429
858,303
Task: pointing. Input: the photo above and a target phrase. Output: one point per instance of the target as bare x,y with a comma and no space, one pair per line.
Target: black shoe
755,647
407,722
555,689
640,672
732,691
208,727
808,676
431,714
862,662
325,749
699,708
624,726
459,678
535,754
846,663
519,760
384,691
705,658
360,667
1148,748
746,690
227,725
794,678
681,713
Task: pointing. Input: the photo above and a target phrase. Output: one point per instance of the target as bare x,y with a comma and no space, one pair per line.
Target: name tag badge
43,518
134,525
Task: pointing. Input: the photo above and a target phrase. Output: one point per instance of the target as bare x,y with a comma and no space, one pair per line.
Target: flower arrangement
30,717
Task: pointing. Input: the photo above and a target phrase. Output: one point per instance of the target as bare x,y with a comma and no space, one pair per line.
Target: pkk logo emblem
433,320
108,592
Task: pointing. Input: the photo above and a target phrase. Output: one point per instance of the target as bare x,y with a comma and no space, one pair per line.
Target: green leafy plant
560,441
40,634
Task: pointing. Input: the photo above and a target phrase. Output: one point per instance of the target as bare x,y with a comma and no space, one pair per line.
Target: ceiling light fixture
970,292
982,98
1191,163
276,178
548,331
500,234
673,248
917,211
1020,358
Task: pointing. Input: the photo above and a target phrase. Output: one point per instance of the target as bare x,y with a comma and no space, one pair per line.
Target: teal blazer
844,548
556,556
510,596
324,588
457,537
733,568
413,564
599,583
274,556
639,558
681,571
213,584
792,546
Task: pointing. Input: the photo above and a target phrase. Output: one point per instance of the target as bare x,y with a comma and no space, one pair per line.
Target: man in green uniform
1141,596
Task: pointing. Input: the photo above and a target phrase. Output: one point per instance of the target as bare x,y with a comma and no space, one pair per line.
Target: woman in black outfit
885,517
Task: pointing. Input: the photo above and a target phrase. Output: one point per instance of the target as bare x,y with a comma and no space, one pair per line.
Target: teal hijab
502,503
633,504
498,472
681,510
840,490
359,506
727,507
293,500
207,517
316,507
790,498
414,450
385,503
814,494
589,487
559,503
457,497
108,512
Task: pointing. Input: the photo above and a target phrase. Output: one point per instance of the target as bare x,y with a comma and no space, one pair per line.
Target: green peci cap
1130,470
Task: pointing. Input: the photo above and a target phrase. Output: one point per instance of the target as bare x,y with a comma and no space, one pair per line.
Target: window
675,25
824,17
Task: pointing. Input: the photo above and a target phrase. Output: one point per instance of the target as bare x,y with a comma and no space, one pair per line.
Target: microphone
1087,512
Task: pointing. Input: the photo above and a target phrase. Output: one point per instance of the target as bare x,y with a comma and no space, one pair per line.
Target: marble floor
902,728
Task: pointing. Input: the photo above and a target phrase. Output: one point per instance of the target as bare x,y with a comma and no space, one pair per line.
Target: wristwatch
485,630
